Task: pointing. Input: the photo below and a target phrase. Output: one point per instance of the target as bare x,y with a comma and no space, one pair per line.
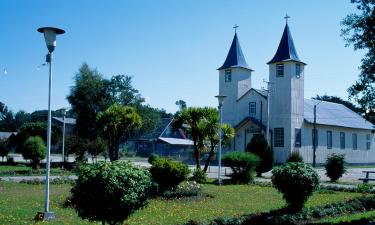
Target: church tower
286,76
234,80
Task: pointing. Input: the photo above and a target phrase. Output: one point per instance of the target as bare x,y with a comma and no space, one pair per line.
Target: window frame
280,70
298,137
228,76
298,70
329,139
368,141
342,140
252,108
279,137
354,141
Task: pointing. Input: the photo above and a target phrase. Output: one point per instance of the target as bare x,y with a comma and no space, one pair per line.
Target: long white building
291,116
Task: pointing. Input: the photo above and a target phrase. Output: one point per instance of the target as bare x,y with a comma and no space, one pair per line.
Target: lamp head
50,36
220,99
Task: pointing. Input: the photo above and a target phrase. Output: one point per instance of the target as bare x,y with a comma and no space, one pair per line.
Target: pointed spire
235,57
286,50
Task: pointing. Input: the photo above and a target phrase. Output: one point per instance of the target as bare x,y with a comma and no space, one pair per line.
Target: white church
291,117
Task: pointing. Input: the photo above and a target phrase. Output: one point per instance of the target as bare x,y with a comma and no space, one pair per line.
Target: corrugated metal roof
67,120
328,113
176,141
286,50
235,57
6,135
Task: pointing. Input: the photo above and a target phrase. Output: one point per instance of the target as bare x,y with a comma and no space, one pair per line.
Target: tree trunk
197,156
212,148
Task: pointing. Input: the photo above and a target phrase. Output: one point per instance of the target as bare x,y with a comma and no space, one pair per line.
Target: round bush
168,174
259,146
199,176
243,165
34,150
296,181
295,156
110,192
335,166
152,158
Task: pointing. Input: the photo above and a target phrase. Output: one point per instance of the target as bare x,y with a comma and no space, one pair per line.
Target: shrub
199,176
364,188
35,150
168,174
243,165
152,158
295,156
335,166
4,149
110,192
296,181
185,189
259,146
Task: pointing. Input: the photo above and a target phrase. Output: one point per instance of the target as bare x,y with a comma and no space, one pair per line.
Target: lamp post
63,136
50,39
220,99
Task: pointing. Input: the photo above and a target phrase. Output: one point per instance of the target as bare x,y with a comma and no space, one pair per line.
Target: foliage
118,123
295,156
57,180
185,189
96,147
259,146
199,176
364,188
34,149
36,129
168,174
76,145
243,165
358,30
152,158
335,166
181,104
4,148
296,181
110,192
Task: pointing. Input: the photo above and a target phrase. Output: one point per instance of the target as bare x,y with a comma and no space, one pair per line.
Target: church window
279,70
298,70
316,137
279,137
252,108
342,140
228,75
329,139
354,141
368,141
298,137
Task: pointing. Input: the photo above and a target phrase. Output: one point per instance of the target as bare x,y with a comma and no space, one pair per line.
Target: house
70,124
285,113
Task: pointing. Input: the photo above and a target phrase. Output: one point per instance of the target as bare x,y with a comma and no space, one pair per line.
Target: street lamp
50,38
220,99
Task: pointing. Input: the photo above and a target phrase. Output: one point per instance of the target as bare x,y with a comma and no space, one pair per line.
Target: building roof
286,50
235,57
262,93
176,141
71,121
333,114
6,135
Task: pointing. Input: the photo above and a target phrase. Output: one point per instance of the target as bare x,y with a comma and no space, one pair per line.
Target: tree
259,146
4,148
210,126
35,150
359,31
36,129
339,100
118,123
181,104
110,192
96,147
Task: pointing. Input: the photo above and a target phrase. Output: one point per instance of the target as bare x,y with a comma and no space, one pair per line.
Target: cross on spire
286,17
235,28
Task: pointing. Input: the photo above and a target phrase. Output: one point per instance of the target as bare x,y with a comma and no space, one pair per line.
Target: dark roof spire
286,50
235,57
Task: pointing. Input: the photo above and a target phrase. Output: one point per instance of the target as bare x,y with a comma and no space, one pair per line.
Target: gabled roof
235,57
262,93
248,119
333,114
286,50
6,135
67,120
176,141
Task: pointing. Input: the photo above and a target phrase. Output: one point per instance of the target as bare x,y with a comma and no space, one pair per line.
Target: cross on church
235,28
286,17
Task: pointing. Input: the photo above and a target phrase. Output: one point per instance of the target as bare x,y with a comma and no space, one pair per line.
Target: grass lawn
28,171
20,202
348,218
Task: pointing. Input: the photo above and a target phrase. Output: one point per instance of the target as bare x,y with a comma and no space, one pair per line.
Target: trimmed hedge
243,165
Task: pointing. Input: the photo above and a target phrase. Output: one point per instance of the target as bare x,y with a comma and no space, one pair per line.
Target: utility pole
314,138
269,85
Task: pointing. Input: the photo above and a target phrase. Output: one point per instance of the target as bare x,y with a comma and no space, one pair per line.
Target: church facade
283,111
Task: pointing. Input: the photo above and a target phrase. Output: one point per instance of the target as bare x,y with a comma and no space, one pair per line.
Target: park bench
367,178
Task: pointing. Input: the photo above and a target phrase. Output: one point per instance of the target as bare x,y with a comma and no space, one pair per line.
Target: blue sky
172,48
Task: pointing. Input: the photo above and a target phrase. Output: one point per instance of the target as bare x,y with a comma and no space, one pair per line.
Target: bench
367,178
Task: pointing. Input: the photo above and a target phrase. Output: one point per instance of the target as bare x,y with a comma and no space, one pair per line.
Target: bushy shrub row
185,189
243,165
58,180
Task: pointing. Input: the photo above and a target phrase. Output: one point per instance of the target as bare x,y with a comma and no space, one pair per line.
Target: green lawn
20,202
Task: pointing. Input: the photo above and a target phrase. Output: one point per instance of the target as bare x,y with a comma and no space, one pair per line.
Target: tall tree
339,100
359,31
118,123
181,104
